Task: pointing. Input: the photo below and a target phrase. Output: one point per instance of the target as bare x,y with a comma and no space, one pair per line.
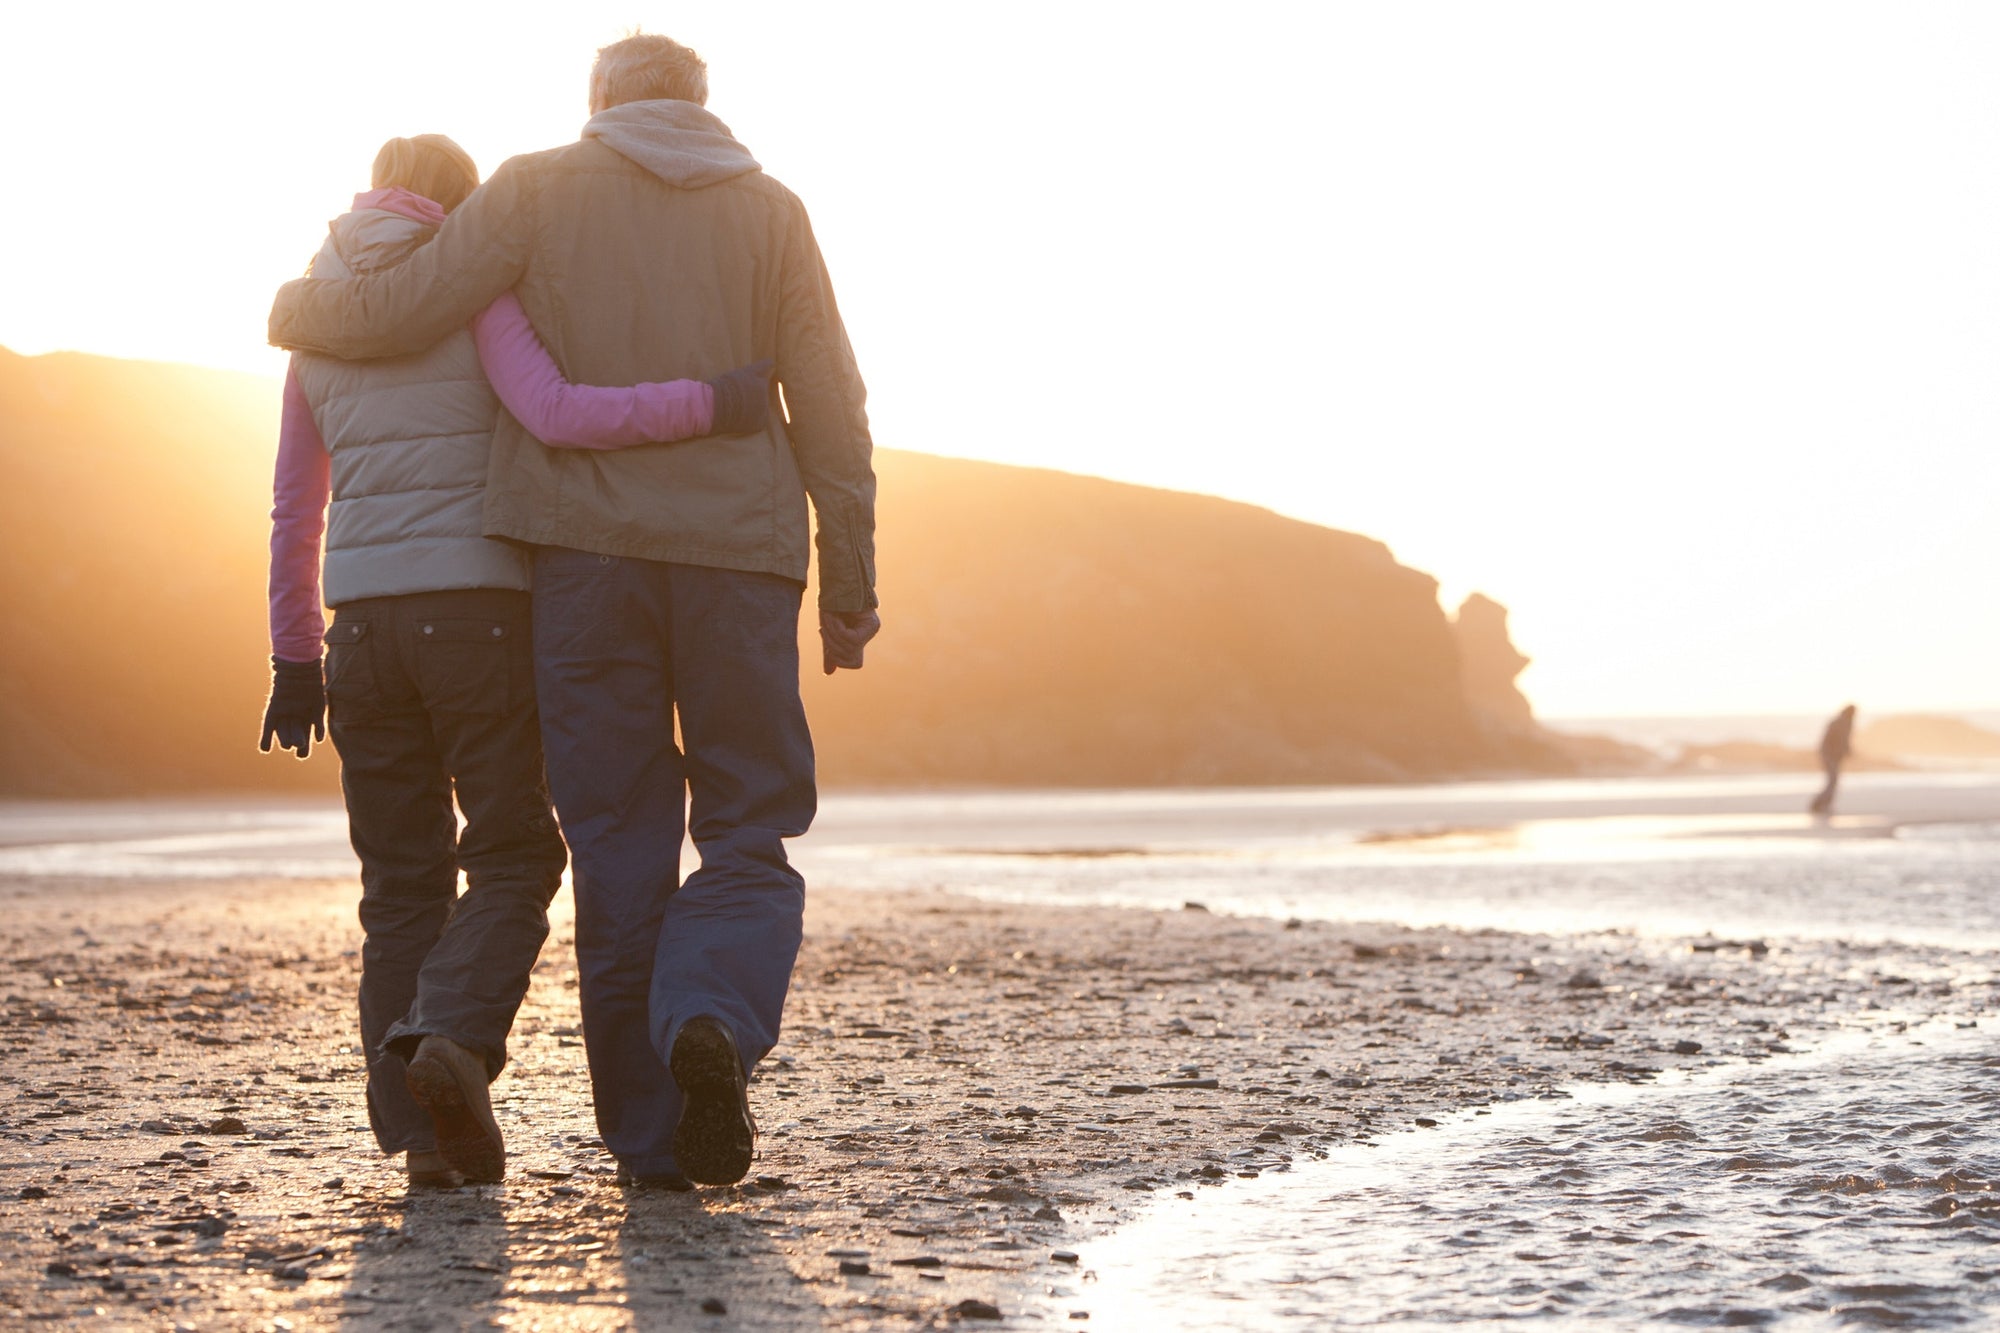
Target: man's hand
296,714
843,635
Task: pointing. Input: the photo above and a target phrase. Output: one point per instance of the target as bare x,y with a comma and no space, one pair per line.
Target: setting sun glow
1673,328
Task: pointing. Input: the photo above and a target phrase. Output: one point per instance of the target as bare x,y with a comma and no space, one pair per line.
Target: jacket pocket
472,665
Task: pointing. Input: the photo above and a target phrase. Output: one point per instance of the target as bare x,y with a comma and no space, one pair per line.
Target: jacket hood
681,143
396,199
385,226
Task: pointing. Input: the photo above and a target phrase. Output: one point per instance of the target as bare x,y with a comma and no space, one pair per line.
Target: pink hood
405,203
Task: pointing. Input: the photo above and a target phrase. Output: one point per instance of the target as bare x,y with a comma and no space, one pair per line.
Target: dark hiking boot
428,1171
449,1082
713,1141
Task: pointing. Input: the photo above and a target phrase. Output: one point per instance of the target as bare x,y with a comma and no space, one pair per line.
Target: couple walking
555,585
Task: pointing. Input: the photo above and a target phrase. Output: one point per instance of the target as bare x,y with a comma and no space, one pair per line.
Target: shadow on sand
582,1255
432,1259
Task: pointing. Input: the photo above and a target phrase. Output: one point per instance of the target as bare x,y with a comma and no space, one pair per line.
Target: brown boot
428,1171
449,1082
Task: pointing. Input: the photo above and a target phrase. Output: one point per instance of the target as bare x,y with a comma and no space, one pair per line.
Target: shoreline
964,1088
1942,774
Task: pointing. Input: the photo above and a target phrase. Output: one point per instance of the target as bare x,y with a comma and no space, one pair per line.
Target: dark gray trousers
429,696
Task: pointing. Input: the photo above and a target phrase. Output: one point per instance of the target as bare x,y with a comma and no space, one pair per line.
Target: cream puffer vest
410,439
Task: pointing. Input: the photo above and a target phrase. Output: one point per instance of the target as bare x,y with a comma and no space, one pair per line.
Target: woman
428,680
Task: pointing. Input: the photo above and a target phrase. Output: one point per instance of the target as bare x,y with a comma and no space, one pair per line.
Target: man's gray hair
644,68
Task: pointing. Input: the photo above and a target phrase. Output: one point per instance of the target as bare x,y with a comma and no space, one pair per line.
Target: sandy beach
967,1093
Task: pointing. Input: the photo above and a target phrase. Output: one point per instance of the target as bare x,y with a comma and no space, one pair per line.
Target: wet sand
966,1093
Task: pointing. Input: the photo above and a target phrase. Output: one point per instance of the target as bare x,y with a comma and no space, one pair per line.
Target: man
667,578
1836,743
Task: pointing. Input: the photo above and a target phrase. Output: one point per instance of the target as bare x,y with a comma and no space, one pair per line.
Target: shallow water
1936,889
1917,861
1851,1187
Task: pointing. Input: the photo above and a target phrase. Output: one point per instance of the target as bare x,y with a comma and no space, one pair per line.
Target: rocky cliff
1042,628
1927,737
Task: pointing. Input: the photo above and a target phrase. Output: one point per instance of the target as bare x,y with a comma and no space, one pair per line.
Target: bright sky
1673,327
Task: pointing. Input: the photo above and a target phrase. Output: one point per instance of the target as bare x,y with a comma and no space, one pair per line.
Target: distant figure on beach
666,581
428,673
1835,744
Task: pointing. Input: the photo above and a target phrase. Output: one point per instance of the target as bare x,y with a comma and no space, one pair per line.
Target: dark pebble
1189,906
338,1182
60,1269
1128,1089
1425,1122
1188,1083
920,1261
713,1306
228,1124
854,1268
1687,1048
33,1192
1064,1256
971,1309
290,1273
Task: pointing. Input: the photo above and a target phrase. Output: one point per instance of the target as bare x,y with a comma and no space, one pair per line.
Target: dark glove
296,714
742,399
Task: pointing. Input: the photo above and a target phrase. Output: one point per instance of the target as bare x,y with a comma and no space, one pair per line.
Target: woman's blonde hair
430,165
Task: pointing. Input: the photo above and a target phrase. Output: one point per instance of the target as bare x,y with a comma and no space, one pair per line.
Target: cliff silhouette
1043,629
1926,737
134,529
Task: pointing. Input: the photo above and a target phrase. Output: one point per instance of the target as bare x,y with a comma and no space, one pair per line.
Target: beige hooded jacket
655,248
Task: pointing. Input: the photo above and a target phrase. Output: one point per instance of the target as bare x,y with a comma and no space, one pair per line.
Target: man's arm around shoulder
481,251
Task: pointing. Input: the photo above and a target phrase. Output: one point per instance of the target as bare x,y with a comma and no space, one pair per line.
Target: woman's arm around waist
581,416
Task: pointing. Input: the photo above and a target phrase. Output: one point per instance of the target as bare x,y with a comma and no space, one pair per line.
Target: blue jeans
621,647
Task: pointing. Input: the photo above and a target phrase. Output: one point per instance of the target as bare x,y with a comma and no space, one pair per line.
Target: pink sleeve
299,494
580,416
